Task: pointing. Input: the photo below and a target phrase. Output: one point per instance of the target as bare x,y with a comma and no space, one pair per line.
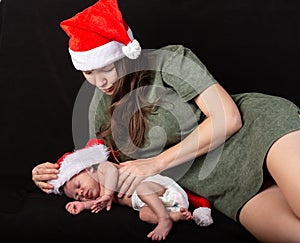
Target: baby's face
82,187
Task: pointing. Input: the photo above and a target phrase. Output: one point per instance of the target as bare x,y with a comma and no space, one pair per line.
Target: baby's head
82,186
72,164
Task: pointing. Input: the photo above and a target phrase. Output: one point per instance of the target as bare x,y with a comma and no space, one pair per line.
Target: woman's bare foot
184,214
162,229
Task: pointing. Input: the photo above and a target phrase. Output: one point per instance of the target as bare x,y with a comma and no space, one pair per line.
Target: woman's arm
223,120
108,175
108,180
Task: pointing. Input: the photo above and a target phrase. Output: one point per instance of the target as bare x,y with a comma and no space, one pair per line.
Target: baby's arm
108,178
76,207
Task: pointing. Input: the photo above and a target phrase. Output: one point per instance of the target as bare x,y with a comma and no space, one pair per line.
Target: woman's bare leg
273,215
270,219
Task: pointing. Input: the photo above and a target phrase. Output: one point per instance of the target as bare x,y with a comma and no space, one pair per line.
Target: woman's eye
87,72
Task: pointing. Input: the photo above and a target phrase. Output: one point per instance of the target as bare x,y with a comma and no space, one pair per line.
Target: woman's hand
131,173
43,173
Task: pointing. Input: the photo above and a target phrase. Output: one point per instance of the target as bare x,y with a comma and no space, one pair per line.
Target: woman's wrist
172,157
161,163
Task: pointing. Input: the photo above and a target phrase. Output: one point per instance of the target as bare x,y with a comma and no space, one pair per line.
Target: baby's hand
102,202
75,207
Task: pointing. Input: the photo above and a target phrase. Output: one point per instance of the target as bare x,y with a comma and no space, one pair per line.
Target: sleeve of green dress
185,73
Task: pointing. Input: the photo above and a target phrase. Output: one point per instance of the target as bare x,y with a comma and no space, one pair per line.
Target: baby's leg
155,211
147,215
163,226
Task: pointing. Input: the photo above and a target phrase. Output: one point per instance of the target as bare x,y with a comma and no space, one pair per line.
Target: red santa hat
202,212
72,163
99,36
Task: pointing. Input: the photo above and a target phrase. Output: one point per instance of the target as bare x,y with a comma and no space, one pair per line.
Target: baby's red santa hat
99,36
202,212
72,163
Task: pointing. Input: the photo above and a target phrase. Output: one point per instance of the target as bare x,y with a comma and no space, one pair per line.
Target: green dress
232,173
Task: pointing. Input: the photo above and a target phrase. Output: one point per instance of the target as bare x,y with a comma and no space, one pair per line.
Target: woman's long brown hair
130,95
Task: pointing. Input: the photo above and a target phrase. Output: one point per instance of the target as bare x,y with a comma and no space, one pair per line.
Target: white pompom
202,216
132,50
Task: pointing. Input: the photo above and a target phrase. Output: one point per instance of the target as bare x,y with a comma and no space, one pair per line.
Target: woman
163,112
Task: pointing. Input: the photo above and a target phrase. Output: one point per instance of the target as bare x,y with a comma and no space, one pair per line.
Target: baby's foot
162,229
184,214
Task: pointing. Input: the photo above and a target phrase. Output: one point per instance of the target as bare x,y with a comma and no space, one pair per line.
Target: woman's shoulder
174,47
177,49
177,53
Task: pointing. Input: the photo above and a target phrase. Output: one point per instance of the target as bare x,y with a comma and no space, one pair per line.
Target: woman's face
103,78
82,187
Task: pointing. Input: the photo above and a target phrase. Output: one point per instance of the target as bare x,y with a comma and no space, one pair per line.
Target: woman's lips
109,90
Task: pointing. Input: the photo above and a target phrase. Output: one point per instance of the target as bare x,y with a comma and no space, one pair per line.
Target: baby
159,199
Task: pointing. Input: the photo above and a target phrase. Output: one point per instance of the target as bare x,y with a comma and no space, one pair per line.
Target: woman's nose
100,82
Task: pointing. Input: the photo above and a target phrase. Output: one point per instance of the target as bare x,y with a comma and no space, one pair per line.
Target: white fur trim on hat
202,216
98,57
106,54
132,50
78,161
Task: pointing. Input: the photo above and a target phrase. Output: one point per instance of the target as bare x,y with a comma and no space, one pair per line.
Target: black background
248,45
